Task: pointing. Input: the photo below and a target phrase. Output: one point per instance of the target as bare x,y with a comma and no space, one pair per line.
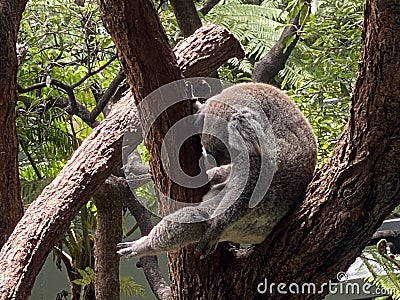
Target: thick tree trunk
149,63
10,200
48,216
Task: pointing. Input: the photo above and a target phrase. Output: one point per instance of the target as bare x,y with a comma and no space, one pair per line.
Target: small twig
107,96
30,159
89,74
208,5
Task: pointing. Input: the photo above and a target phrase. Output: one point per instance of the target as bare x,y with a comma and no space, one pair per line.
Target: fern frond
129,287
384,272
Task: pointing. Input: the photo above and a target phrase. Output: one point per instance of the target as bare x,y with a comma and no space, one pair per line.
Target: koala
264,155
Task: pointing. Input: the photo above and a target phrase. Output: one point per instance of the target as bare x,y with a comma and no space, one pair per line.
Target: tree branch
105,98
75,107
149,264
269,66
108,234
72,106
67,104
91,73
186,15
64,103
208,5
205,58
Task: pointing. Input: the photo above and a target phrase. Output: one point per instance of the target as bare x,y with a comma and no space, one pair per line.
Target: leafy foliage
78,255
253,25
319,74
385,271
64,42
87,277
129,287
332,36
69,55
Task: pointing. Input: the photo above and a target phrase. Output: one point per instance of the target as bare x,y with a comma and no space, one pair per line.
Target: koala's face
215,117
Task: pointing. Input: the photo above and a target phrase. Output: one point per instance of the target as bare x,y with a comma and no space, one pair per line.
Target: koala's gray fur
256,123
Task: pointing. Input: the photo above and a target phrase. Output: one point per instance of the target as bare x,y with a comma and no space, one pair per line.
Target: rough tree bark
48,216
119,188
348,198
359,186
140,50
189,20
10,200
148,64
108,234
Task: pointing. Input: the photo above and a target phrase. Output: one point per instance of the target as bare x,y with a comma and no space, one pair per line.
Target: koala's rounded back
293,135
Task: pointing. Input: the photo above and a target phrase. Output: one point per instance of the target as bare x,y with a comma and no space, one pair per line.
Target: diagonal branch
91,73
269,66
208,5
105,98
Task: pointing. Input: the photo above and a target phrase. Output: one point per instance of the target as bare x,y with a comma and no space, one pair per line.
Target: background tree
10,202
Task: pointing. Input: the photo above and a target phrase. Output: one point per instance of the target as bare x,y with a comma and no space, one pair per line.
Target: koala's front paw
127,249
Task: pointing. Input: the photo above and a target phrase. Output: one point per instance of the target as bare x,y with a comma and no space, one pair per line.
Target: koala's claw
205,247
126,249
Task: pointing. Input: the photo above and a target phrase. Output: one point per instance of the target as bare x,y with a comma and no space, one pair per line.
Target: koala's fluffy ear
244,130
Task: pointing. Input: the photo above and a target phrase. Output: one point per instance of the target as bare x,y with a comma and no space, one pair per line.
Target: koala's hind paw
127,249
